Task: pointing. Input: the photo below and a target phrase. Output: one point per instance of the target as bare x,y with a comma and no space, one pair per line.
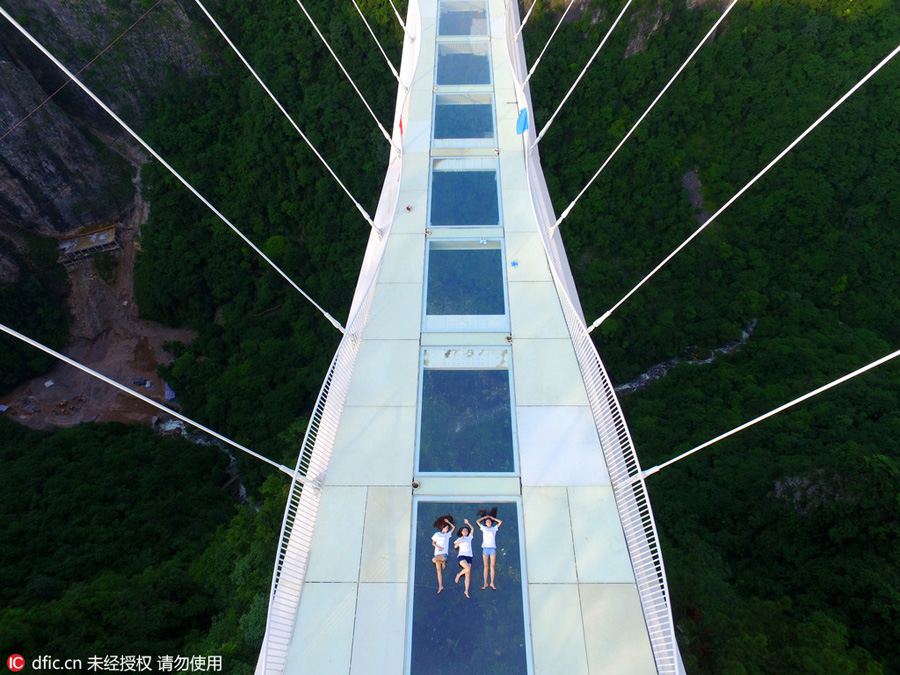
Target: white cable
541,55
285,113
397,14
590,61
700,229
527,14
349,79
143,398
374,37
646,112
153,152
818,391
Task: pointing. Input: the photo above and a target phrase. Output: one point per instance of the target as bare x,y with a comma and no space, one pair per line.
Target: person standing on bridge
489,524
440,541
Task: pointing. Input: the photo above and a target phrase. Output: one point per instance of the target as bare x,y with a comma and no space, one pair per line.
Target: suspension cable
145,399
646,112
541,55
527,14
734,198
584,70
349,79
834,383
83,68
286,115
397,14
381,49
159,158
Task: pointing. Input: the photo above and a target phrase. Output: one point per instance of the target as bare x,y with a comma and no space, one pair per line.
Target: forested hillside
32,301
781,544
263,349
201,587
114,542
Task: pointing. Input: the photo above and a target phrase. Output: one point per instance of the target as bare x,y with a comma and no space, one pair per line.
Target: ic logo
15,662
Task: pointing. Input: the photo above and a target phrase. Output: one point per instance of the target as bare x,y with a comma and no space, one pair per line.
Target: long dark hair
484,512
439,523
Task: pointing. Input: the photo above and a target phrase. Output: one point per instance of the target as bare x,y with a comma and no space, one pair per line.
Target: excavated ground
108,336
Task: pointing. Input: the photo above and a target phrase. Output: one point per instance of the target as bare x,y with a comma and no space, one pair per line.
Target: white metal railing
318,442
621,459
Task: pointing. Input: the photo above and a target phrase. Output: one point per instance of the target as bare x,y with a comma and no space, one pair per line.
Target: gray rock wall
9,270
56,175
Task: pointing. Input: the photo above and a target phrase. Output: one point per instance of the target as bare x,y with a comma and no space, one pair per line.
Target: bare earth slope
107,335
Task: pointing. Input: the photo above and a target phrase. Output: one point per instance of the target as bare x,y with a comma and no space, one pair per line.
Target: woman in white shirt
489,545
464,545
441,543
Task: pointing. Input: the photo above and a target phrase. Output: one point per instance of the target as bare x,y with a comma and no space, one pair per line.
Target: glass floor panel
463,17
459,116
465,281
450,633
466,421
464,198
462,63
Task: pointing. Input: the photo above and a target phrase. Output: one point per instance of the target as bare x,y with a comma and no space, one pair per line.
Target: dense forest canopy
263,349
117,541
252,373
781,544
32,304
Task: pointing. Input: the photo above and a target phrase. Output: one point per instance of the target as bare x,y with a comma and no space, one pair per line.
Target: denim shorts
488,551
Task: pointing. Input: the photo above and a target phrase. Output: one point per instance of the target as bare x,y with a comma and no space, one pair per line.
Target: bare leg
493,562
438,565
468,573
484,559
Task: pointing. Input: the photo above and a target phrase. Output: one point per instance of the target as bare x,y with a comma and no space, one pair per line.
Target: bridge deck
368,601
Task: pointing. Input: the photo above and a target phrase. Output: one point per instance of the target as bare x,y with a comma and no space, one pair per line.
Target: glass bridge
466,382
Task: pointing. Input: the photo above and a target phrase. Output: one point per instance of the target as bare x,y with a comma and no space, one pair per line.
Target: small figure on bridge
464,556
440,541
489,528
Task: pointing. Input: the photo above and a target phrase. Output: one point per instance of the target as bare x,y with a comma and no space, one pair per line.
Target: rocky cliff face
9,270
54,177
55,174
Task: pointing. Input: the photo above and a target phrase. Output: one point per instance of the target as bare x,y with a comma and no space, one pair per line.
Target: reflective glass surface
450,633
464,198
463,64
466,423
463,116
465,281
463,17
